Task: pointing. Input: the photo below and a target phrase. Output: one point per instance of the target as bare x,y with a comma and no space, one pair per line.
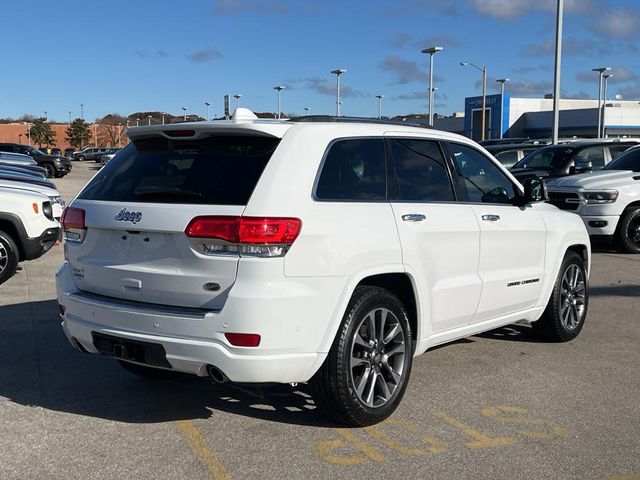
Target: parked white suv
607,200
322,251
28,228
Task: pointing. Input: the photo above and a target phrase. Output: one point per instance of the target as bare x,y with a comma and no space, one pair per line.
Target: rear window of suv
216,170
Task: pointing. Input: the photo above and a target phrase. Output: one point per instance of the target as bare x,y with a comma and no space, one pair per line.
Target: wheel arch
9,224
393,278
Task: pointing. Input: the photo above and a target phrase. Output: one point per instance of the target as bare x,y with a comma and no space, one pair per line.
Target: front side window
354,169
484,181
508,158
595,155
420,171
546,158
629,161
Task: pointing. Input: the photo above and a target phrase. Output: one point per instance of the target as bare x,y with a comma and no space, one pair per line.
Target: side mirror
535,190
581,167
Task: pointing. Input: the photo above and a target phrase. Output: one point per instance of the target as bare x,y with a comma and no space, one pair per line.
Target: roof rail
330,118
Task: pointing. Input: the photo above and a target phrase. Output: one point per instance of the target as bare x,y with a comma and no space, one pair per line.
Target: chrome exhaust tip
216,374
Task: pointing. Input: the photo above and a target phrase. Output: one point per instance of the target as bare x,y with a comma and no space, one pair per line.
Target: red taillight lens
73,224
246,230
73,218
224,228
243,339
269,230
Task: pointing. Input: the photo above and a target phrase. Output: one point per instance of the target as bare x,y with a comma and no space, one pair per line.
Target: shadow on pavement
616,290
513,333
41,369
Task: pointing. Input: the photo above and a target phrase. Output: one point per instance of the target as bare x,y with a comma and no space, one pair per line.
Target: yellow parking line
199,446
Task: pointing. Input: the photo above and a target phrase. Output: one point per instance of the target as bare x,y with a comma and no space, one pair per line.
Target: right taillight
73,224
249,236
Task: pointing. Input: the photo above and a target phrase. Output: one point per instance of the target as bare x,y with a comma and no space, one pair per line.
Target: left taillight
73,224
248,236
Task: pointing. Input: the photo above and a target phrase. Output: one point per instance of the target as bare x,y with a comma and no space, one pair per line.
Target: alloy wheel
572,297
378,357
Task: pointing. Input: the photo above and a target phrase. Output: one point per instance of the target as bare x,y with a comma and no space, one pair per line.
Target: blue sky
143,55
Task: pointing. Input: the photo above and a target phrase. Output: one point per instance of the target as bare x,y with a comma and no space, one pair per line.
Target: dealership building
533,118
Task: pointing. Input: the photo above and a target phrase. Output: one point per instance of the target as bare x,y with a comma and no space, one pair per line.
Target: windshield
629,160
547,158
36,151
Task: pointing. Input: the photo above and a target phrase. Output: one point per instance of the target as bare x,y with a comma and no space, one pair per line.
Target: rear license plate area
134,350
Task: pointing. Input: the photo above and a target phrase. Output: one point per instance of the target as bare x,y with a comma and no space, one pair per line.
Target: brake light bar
253,236
180,133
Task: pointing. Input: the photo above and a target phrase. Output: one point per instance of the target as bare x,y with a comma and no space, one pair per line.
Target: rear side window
353,169
420,171
217,170
508,158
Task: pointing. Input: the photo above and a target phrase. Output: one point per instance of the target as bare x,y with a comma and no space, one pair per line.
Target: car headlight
595,198
57,200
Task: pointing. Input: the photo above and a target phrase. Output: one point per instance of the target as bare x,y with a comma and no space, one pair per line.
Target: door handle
490,218
414,217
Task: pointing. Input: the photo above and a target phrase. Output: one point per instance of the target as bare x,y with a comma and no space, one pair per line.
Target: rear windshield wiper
166,191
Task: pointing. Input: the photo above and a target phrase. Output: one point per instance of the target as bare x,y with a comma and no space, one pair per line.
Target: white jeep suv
607,200
317,249
28,228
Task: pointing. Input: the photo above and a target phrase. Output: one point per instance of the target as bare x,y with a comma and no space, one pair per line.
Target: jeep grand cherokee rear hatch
129,232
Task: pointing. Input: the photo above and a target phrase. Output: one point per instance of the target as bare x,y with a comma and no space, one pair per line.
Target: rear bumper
36,247
291,328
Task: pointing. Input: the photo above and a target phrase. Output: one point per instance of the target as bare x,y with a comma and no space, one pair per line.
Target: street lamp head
279,88
184,108
339,71
432,50
464,64
607,75
601,69
503,80
208,104
379,96
237,95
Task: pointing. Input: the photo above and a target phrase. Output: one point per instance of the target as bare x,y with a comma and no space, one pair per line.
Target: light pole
95,134
163,114
279,89
431,51
337,72
237,97
137,122
484,94
306,111
208,104
502,81
556,73
46,117
605,77
119,134
600,71
69,118
379,97
184,112
149,118
82,111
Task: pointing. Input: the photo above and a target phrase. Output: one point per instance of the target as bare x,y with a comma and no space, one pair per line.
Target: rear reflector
243,339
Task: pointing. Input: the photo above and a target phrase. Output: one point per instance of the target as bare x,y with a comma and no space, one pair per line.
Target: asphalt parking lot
497,406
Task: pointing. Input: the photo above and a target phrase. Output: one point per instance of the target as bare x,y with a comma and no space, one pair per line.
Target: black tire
629,231
9,256
51,171
147,372
81,158
566,311
350,364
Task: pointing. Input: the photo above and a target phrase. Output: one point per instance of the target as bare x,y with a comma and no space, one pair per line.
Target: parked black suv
574,157
55,165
